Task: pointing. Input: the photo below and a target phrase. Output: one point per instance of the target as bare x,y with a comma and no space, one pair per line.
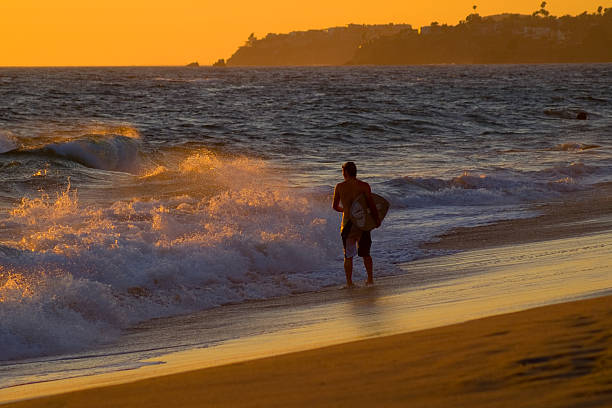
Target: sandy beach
551,356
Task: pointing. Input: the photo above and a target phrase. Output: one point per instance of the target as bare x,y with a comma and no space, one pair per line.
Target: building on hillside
536,32
425,30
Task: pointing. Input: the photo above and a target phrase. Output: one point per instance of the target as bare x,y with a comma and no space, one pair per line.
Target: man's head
349,169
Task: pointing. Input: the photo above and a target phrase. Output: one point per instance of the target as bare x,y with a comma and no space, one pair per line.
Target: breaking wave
104,147
505,187
108,152
77,273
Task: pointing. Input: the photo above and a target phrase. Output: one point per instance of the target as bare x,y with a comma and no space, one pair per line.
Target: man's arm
336,202
372,205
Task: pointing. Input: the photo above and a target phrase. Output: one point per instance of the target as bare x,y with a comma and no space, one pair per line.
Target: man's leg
367,262
348,270
350,250
365,242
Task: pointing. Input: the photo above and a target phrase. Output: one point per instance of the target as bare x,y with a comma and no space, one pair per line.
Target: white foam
84,269
46,312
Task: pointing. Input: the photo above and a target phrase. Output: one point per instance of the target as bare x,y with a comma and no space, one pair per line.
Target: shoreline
387,315
551,356
515,278
581,213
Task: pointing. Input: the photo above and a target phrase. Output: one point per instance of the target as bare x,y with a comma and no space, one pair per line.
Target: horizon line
301,66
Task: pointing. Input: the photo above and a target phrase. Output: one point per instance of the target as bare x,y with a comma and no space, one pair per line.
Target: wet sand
553,356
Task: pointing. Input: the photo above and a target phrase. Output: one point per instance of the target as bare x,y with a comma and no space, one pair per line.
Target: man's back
348,191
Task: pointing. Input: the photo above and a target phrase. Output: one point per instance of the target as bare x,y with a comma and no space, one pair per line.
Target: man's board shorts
359,245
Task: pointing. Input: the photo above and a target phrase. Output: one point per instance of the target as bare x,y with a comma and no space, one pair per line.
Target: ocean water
128,194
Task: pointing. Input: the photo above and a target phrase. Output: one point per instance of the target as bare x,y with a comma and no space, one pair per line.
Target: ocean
129,194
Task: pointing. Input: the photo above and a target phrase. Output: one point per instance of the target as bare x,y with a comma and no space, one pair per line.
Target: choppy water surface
133,193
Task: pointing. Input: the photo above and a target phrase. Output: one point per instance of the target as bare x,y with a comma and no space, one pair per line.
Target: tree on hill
542,11
251,40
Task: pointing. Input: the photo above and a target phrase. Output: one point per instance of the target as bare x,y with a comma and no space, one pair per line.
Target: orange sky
162,32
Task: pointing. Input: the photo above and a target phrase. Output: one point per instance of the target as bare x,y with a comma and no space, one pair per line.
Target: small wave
105,146
568,113
155,172
513,151
104,152
8,142
574,146
57,133
498,188
574,170
165,79
465,190
561,147
108,152
594,99
112,130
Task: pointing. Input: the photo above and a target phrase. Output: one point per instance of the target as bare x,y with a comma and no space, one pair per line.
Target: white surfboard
360,212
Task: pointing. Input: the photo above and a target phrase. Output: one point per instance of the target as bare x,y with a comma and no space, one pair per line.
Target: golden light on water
154,32
13,285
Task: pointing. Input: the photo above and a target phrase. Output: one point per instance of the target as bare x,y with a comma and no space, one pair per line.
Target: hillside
503,38
507,38
331,46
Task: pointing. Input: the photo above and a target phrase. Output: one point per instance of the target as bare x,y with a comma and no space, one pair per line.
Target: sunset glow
138,32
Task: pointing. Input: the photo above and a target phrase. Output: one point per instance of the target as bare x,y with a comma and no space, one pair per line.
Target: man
354,240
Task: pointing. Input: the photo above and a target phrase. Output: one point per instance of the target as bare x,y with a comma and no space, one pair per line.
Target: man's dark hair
350,169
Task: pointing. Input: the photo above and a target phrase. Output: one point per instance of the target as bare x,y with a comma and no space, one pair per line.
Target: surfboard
360,213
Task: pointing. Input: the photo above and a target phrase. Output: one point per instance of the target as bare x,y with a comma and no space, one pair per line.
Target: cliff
331,46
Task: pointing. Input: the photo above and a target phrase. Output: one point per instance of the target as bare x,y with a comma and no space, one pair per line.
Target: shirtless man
355,241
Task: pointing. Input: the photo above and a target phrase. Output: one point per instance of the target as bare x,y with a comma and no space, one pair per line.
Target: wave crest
574,146
567,113
504,187
114,147
8,142
104,152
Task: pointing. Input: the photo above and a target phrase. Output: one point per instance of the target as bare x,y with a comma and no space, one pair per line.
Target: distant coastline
330,46
502,38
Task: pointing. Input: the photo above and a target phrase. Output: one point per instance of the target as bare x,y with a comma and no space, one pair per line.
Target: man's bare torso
348,191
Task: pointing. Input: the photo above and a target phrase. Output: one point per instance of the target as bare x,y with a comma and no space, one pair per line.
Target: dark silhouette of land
502,38
331,46
220,63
